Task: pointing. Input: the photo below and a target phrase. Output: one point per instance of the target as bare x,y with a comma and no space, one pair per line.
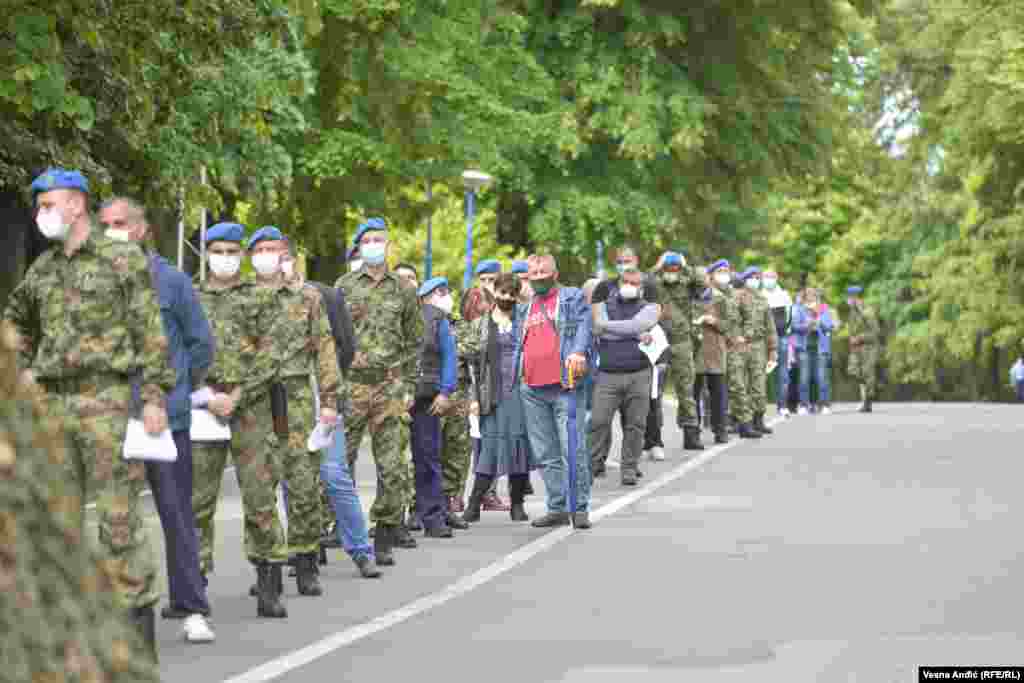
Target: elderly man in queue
191,354
552,360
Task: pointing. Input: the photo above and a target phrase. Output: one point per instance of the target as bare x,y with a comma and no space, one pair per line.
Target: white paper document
138,445
208,427
659,342
474,426
655,379
320,438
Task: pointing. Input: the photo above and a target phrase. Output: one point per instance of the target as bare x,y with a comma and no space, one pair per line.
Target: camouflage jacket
864,323
93,313
678,306
388,326
741,314
303,341
762,322
241,316
57,608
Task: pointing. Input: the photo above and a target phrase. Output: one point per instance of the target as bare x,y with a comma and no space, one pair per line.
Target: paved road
845,548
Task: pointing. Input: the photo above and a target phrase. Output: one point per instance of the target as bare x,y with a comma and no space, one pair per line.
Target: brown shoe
456,505
493,503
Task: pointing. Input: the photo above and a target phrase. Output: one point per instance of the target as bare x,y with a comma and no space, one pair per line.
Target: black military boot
268,591
760,426
866,408
691,439
748,432
412,522
383,542
403,538
144,620
480,486
306,575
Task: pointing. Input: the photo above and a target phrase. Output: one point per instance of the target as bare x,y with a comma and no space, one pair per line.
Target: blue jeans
546,410
782,373
341,492
818,363
1020,391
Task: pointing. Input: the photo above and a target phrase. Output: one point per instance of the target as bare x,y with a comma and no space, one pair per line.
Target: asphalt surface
844,548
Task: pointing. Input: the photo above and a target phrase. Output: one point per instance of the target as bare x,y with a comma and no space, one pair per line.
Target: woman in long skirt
504,448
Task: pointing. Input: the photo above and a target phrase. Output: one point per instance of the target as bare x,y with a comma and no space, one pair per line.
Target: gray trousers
630,393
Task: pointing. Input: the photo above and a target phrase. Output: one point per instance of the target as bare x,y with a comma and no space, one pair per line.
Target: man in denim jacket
551,360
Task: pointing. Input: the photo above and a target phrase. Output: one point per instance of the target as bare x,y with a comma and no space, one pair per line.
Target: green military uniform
763,344
58,612
677,320
89,326
304,348
742,315
456,445
388,328
241,316
863,364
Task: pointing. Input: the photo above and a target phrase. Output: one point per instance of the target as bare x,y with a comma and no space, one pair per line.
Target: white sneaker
802,410
657,453
785,414
197,629
825,410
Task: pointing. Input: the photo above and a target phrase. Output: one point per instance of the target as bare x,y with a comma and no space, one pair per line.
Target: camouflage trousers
740,407
253,448
682,374
94,423
863,366
381,410
456,447
754,362
300,470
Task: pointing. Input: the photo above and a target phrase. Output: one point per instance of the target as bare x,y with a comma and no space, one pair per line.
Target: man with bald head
190,351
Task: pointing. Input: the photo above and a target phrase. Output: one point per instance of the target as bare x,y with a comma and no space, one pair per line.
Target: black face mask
505,305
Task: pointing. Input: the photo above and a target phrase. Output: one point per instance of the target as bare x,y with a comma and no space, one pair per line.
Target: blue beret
432,284
370,225
520,267
267,232
488,267
750,272
225,232
59,179
717,265
672,259
855,290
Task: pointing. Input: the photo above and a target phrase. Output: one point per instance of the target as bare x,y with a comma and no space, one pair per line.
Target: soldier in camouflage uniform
88,323
764,342
680,283
388,328
303,349
58,611
865,337
238,391
740,407
456,445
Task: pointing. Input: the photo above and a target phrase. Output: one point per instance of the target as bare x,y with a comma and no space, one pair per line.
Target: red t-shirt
542,361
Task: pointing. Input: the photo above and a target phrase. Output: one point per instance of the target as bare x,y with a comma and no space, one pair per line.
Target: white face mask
373,252
723,279
445,303
224,265
769,283
266,263
118,235
754,283
629,291
52,226
355,265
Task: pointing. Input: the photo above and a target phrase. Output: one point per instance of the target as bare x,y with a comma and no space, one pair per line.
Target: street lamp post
473,181
428,259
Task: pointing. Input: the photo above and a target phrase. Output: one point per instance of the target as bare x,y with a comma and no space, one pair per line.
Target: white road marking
298,658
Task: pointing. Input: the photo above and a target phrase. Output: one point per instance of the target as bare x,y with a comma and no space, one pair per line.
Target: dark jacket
189,337
436,372
341,324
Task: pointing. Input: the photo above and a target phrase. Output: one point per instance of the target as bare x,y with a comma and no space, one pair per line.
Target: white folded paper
208,427
138,445
655,376
771,365
474,426
659,342
320,438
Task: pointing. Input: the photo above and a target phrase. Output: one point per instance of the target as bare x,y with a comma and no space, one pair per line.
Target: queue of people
287,376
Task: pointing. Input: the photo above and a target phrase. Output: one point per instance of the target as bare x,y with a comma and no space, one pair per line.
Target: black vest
428,374
621,355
